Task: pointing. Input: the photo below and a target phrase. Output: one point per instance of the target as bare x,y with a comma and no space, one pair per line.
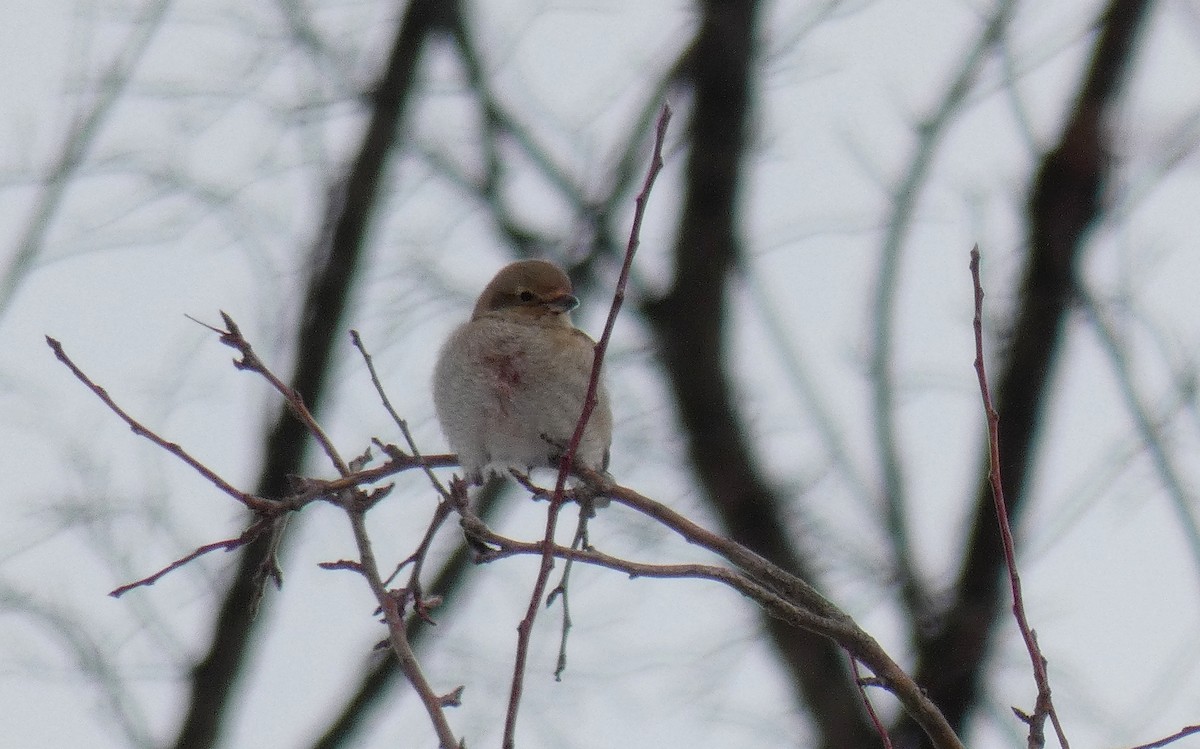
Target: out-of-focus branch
1182,733
594,209
74,149
335,265
689,325
91,654
1182,500
1064,204
884,387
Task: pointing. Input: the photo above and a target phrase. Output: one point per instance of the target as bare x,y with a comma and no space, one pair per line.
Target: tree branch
335,266
525,628
1065,203
1044,707
689,324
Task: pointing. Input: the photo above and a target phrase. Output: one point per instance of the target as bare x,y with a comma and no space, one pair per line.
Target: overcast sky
1114,587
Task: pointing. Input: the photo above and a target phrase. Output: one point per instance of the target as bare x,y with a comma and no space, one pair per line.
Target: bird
510,383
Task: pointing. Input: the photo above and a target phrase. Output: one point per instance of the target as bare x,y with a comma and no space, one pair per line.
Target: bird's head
532,290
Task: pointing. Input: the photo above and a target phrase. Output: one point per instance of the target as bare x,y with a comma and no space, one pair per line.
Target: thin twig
258,504
862,690
232,337
397,634
525,628
562,590
1186,731
503,547
417,559
1044,706
401,423
229,544
355,502
444,507
347,492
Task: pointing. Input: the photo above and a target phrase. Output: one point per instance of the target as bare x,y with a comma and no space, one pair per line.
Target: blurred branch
91,652
783,346
1148,426
884,387
501,123
335,265
76,144
1064,205
689,323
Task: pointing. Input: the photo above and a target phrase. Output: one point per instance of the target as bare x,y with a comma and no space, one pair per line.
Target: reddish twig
1044,706
525,628
229,544
356,339
356,502
445,505
502,547
1185,731
862,690
347,492
258,504
233,338
391,604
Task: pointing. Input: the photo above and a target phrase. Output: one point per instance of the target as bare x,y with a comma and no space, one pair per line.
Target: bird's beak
564,303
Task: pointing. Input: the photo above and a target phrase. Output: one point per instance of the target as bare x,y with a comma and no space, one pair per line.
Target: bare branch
251,533
401,423
862,689
392,603
783,595
525,628
233,338
1044,706
258,504
904,205
1182,733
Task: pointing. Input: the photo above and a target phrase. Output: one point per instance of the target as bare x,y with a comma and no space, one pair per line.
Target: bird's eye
525,296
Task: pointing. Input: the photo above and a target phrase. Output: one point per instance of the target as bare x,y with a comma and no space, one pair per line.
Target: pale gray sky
1113,589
